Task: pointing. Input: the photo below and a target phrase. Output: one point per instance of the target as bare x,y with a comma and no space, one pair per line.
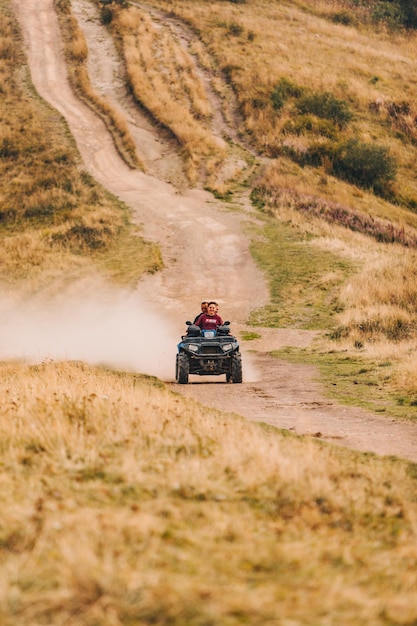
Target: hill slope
193,232
124,503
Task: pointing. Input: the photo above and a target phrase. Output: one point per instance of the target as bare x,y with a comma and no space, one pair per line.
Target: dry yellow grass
124,503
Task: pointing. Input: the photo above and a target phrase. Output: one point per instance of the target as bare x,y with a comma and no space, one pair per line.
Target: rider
209,320
204,306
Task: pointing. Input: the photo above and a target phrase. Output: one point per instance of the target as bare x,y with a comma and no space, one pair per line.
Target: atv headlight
227,346
193,347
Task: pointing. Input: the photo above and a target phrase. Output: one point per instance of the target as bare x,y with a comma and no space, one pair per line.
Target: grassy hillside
123,503
55,221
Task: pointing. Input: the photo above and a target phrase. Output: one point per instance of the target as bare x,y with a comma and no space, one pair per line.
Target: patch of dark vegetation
108,7
40,212
7,216
333,213
391,14
283,91
343,17
326,106
82,238
395,14
323,105
395,329
367,165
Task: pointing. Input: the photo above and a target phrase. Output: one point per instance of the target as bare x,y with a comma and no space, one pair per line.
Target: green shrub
235,29
388,12
106,15
326,106
363,164
319,154
229,70
277,100
82,238
395,13
283,90
343,17
259,103
409,10
309,124
367,165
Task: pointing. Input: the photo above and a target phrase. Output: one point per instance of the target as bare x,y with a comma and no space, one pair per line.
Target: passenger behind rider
209,320
204,306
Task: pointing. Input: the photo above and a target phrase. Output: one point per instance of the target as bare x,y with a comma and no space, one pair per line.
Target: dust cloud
101,326
104,326
251,373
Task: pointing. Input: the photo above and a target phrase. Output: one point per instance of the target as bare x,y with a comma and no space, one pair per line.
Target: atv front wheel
182,369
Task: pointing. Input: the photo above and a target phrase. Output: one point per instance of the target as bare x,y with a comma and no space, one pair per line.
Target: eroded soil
204,247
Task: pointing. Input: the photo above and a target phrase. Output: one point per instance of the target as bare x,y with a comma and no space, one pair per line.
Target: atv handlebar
188,323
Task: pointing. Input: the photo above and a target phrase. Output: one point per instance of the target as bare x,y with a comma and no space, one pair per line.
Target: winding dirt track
204,248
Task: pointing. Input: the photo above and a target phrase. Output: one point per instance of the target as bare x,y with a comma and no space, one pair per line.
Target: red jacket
209,322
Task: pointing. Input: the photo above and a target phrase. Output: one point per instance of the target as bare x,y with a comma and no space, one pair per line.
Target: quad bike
208,353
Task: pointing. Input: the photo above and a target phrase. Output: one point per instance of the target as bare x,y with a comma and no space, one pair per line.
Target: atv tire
183,369
237,369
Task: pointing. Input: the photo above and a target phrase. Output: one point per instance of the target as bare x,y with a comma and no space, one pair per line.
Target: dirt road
204,248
